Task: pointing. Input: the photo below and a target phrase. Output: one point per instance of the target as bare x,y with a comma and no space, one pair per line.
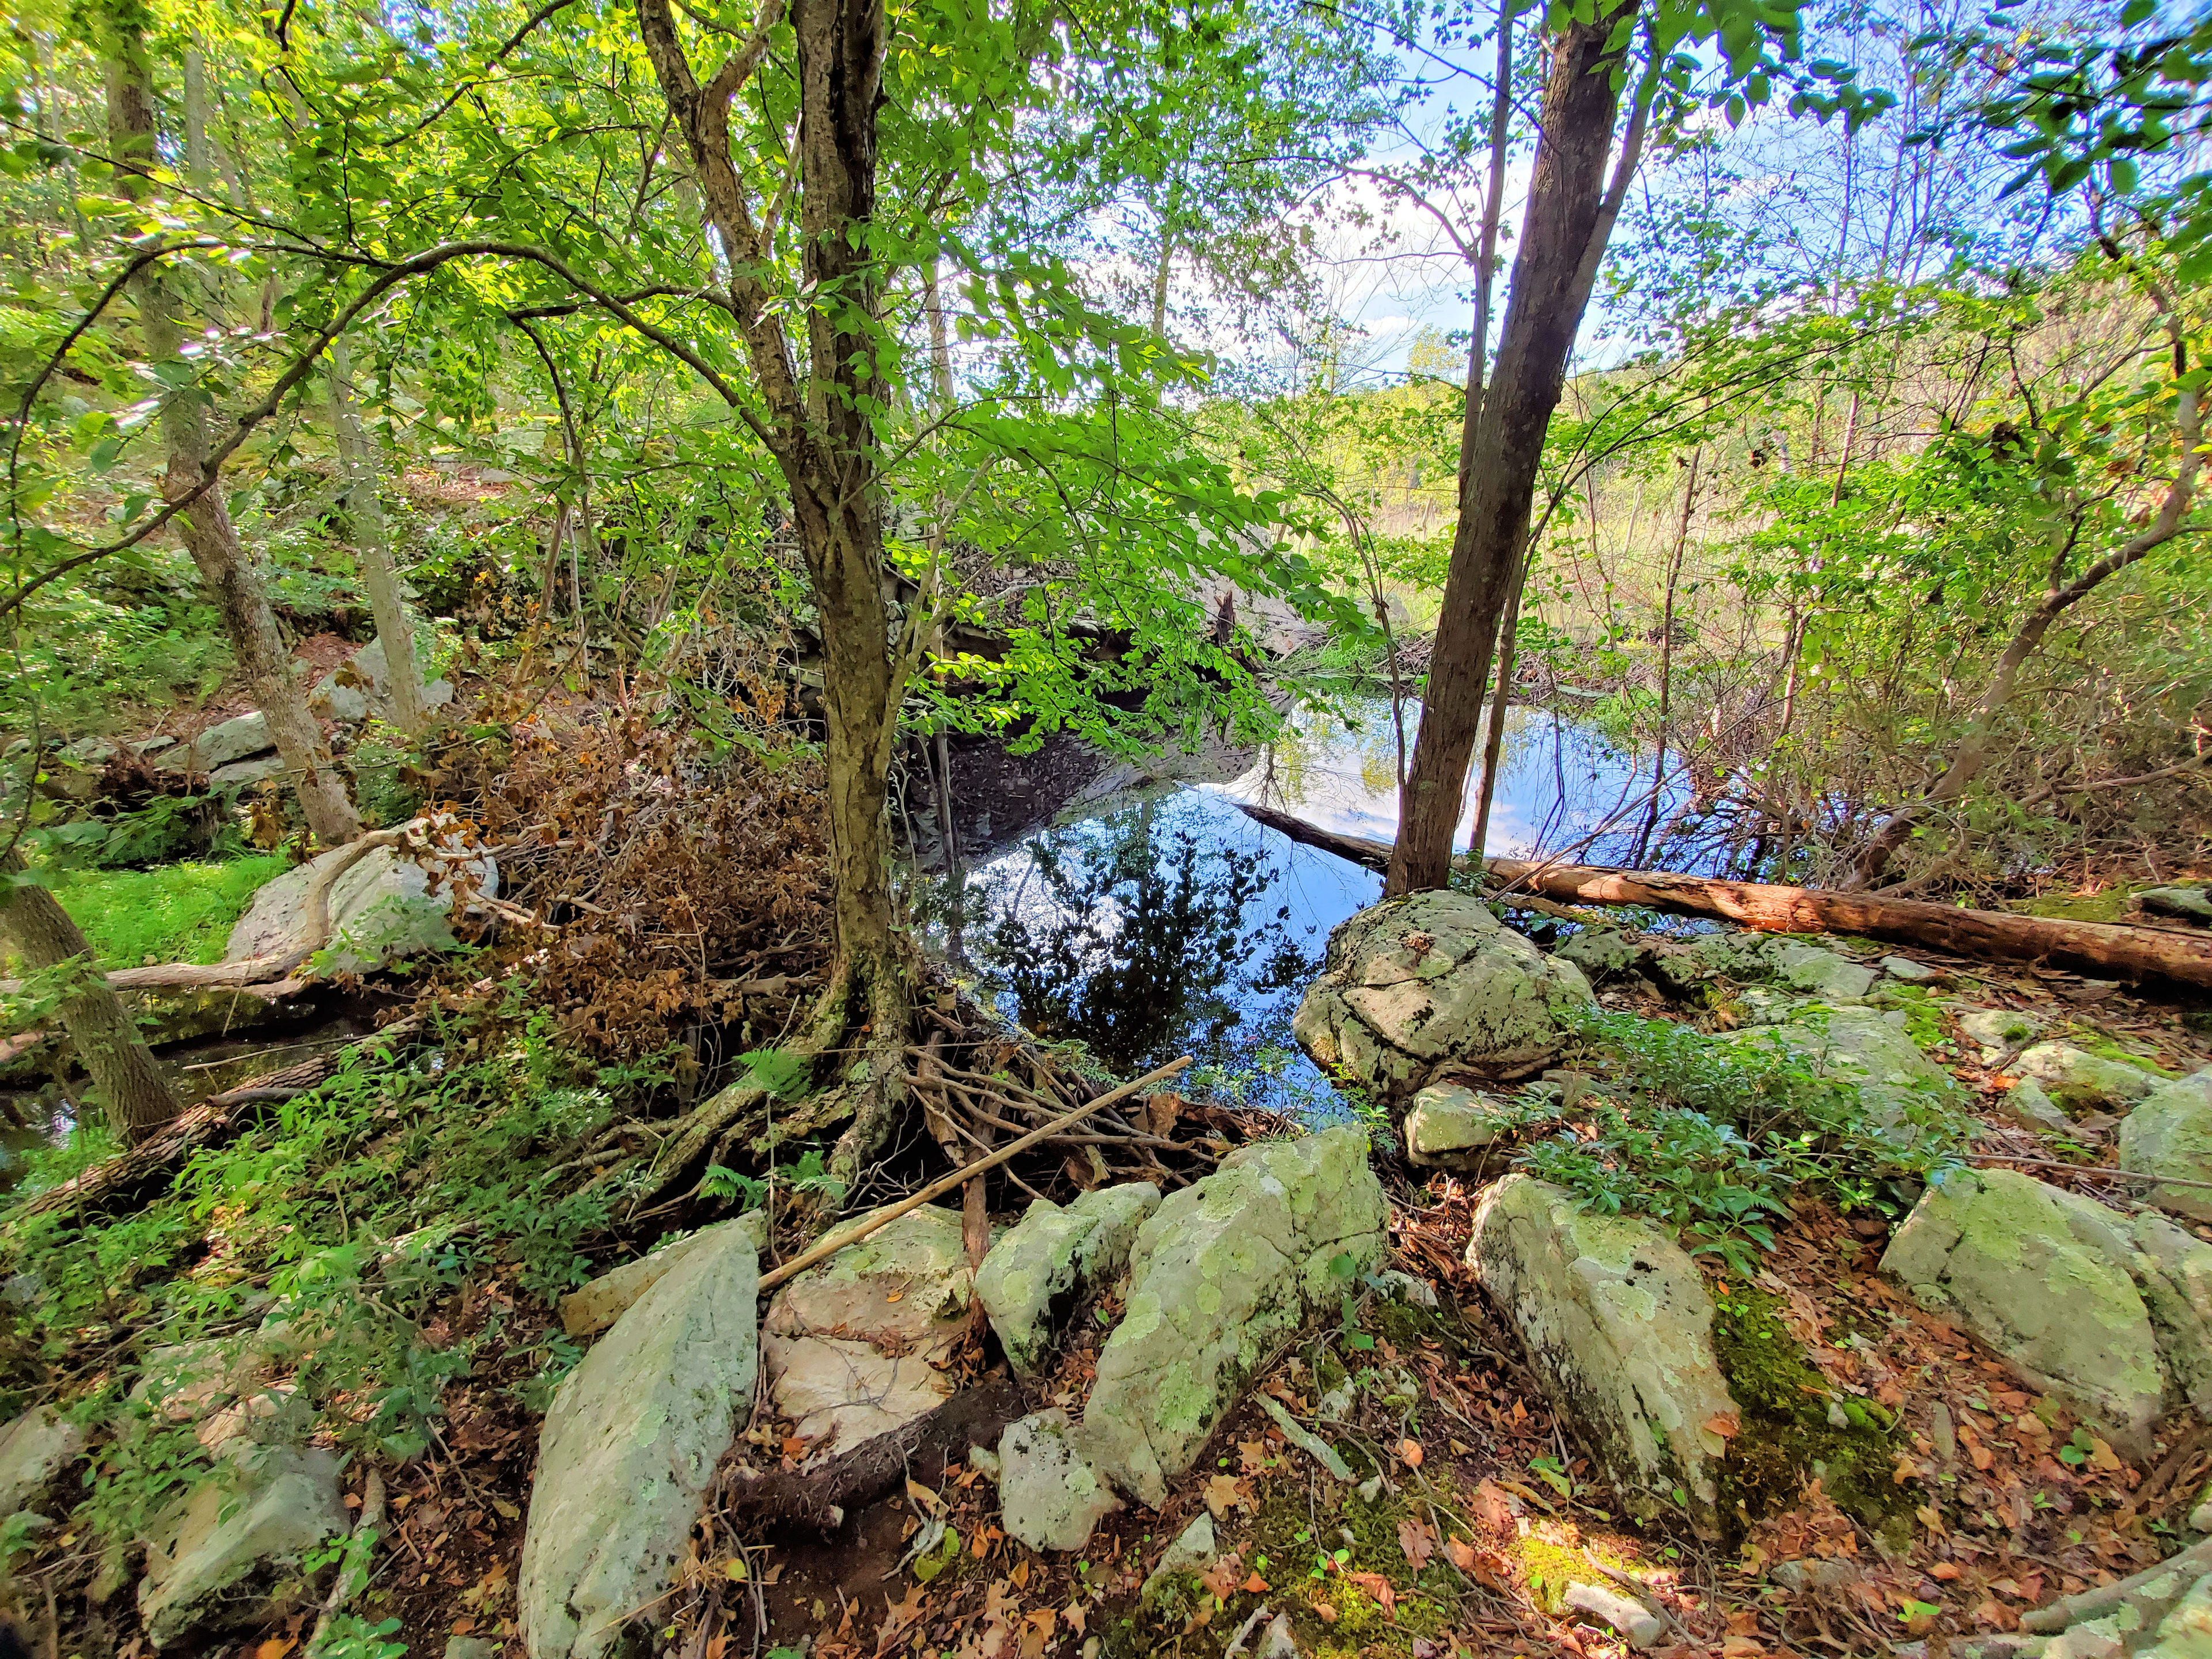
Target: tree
225,567
1572,207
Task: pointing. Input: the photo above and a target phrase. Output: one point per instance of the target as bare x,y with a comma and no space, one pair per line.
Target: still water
1165,921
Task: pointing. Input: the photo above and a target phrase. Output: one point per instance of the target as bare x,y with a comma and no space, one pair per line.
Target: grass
172,913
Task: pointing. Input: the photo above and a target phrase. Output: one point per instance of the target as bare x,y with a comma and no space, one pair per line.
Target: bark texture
134,1095
1543,314
232,582
372,549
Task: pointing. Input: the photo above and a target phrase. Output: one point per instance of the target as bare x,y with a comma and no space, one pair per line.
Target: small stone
1939,1431
1449,1126
1603,953
2191,904
2200,1518
1050,1488
1414,1293
245,773
1911,972
1993,1031
235,1553
1033,1275
985,1462
2074,1078
2027,1105
1815,1574
2170,1134
219,746
1370,1489
2095,1640
383,908
1193,1552
471,1647
1639,1626
34,1449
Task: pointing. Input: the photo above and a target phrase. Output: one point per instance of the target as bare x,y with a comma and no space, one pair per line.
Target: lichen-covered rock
1864,1047
2177,903
1604,953
2074,1077
219,746
1050,1490
385,908
1033,1274
2085,1302
1221,1271
361,686
1450,1127
1617,1325
855,1346
2026,1103
1764,959
34,1449
2170,1135
1193,1551
1993,1031
1417,982
234,1553
591,1310
629,1448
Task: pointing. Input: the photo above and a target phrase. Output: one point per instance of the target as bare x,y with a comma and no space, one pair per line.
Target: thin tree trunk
134,1095
1667,648
1562,235
1493,741
1486,262
232,580
197,171
940,345
373,548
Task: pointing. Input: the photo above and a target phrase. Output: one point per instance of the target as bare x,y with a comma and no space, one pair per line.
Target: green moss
172,913
1549,1556
1924,1015
1359,1627
1786,1437
2107,906
2105,1046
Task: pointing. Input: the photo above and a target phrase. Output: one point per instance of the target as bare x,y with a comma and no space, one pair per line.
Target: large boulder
855,1346
385,908
629,1447
1863,1047
361,686
2192,904
34,1449
1049,1487
1033,1275
1617,1324
219,746
2074,1077
590,1309
1221,1272
2170,1135
1765,959
2106,1310
234,1554
1416,983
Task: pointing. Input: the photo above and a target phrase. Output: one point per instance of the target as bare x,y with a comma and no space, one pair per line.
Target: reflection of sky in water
1557,781
1178,926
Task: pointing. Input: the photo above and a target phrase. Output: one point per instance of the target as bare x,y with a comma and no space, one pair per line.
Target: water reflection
1173,924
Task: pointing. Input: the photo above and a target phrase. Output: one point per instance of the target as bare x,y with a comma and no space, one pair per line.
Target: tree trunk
373,547
232,582
1543,313
1493,741
134,1095
2177,956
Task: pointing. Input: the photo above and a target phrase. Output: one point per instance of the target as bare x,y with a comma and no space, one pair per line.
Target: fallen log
128,1175
2107,950
821,1499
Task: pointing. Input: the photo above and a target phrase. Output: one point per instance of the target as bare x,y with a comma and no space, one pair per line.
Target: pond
1162,922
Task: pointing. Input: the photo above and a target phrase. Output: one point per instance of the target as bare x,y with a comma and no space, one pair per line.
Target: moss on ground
2111,905
1923,1014
1787,1436
171,912
1357,1537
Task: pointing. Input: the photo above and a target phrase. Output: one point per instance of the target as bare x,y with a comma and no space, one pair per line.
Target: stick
2090,1170
860,1229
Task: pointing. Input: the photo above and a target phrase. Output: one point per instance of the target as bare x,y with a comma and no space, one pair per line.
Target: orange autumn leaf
274,1648
1324,1612
1410,1450
1256,1585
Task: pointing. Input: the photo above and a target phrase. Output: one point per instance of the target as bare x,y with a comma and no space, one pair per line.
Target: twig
354,1573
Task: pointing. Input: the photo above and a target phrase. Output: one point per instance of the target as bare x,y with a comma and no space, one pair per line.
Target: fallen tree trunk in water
2109,950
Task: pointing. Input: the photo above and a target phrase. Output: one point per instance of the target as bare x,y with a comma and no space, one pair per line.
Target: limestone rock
1639,1626
1193,1551
2073,1077
361,686
1619,1327
849,1343
1450,1127
1861,1046
2179,903
2082,1300
1223,1268
1792,965
1995,1029
1048,1486
219,746
34,1449
231,1554
1033,1274
2185,1632
587,1311
628,1449
245,773
2026,1102
1415,982
1910,972
385,908
2170,1133
1604,953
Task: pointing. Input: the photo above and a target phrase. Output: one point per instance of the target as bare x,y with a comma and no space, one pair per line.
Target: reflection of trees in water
1131,934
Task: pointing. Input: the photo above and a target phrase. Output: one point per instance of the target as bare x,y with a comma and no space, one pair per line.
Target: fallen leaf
1461,1553
1946,1570
1416,1540
1020,1575
1491,1507
1380,1587
2102,1457
274,1648
1075,1612
736,1570
1256,1585
1740,1647
922,1495
1324,1612
1726,1425
1221,1582
1225,1492
506,1511
1253,1454
1410,1450
1981,1456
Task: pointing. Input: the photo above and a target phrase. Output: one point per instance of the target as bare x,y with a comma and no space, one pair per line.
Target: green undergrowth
1714,1138
172,913
1923,1013
1789,1433
335,1237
